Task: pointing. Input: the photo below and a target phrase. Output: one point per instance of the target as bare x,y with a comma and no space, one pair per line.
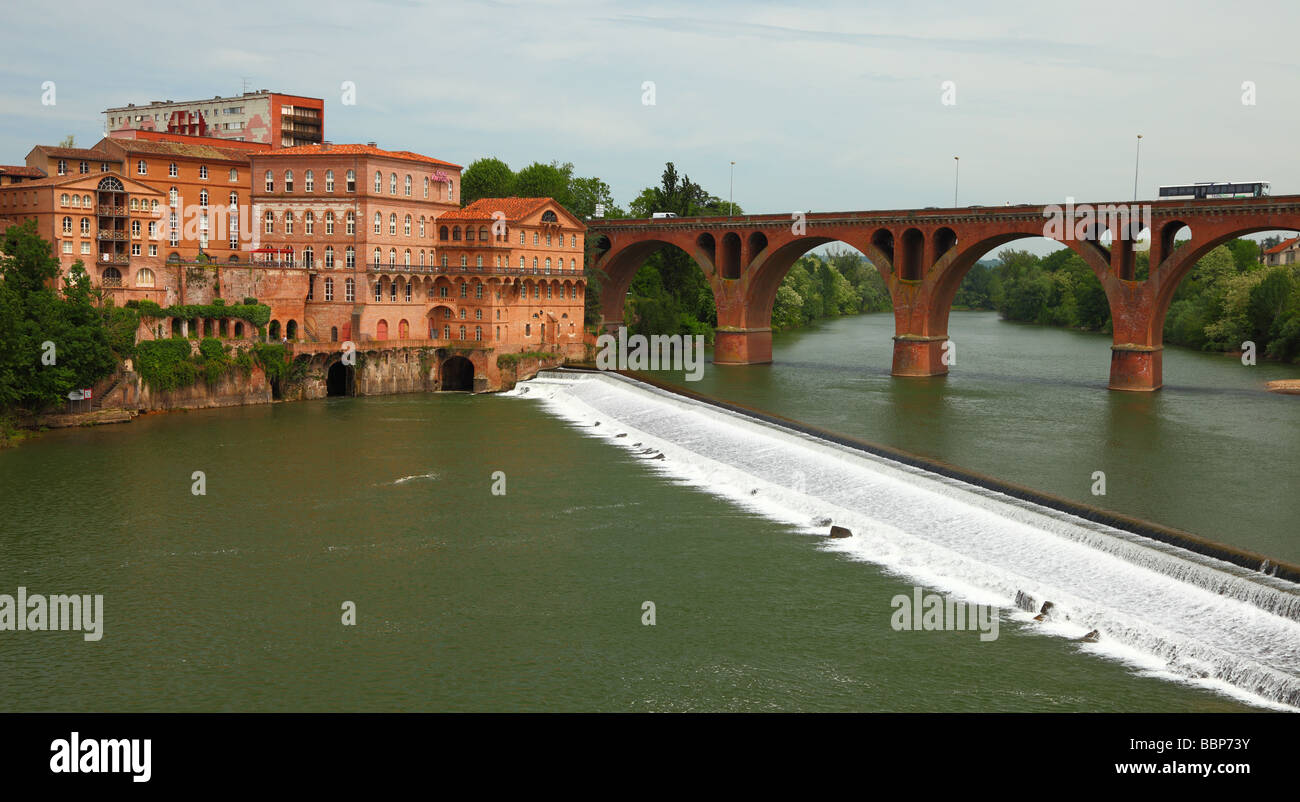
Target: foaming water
1162,610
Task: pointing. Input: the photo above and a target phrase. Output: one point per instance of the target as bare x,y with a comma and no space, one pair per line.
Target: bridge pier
1136,368
740,346
919,355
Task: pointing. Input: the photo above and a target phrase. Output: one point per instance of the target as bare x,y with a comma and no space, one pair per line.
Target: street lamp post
1137,160
956,179
731,193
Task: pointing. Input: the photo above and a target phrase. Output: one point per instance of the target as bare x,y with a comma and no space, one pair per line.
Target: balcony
111,281
118,236
113,259
110,211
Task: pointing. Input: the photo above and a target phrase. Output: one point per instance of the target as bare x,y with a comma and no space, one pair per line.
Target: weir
1202,620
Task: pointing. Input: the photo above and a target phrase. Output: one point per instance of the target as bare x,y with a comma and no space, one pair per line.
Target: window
67,247
85,226
379,222
329,284
329,180
464,260
379,292
173,197
288,180
63,167
442,293
308,223
536,238
406,228
444,260
407,186
478,314
172,172
140,168
352,180
309,181
153,249
421,225
144,277
478,261
350,261
234,175
442,233
392,224
378,255
521,240
203,197
408,292
270,181
349,287
446,332
288,222
329,255
203,172
548,239
406,259
464,291
153,229
451,192
352,223
462,332
234,200
548,292
392,184
521,262
329,222
83,168
426,188
392,257
574,241
67,225
135,229
379,181
548,265
269,228
308,257
63,199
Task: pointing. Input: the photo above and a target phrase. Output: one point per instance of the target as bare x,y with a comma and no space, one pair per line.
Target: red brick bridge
923,254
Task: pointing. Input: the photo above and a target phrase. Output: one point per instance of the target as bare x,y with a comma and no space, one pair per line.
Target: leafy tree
486,178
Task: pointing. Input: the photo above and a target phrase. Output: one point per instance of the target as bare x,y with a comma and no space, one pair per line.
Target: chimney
326,145
373,144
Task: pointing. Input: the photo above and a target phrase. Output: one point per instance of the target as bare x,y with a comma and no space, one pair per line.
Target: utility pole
956,179
731,193
1137,160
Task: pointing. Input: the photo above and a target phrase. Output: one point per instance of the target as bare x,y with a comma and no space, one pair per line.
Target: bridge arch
620,263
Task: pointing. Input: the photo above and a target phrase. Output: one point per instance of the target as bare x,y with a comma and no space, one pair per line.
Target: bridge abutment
919,355
1136,368
737,346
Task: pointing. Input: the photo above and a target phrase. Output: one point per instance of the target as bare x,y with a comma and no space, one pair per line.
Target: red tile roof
356,150
183,150
22,170
482,209
1283,245
73,153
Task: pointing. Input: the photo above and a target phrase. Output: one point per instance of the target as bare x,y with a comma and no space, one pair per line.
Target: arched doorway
275,330
336,380
458,374
291,330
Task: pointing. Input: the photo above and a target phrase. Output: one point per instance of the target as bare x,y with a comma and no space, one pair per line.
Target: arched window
464,290
329,180
288,222
329,222
462,332
234,174
85,226
455,233
408,186
172,172
392,184
63,199
381,330
406,259
288,180
378,256
403,330
270,181
349,289
379,222
144,277
392,290
407,291
483,233
426,186
352,180
329,255
111,277
478,332
478,290
392,257
173,197
548,216
67,225
464,260
442,233
406,228
203,197
421,225
308,223
329,293
351,222
309,181
379,181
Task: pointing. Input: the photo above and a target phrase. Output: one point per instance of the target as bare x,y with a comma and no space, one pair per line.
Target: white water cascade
1169,611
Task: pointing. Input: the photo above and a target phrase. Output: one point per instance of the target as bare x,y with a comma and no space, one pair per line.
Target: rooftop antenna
245,80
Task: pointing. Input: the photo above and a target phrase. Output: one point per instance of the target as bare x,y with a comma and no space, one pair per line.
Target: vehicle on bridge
662,215
1216,189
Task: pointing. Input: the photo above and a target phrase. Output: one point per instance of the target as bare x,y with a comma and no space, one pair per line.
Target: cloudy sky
836,107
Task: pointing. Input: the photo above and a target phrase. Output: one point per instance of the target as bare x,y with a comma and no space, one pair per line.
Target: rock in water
1025,602
1091,637
839,531
1042,614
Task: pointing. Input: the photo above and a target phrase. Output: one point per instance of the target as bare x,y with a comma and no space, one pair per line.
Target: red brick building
272,118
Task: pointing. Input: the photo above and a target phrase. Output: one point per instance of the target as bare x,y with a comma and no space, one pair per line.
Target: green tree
486,178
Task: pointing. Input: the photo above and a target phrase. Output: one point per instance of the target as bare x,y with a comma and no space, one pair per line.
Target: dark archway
458,374
337,380
729,264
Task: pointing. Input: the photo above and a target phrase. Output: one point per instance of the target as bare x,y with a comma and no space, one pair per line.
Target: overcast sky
836,108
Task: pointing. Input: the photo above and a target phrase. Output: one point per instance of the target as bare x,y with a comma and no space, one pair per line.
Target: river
533,600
